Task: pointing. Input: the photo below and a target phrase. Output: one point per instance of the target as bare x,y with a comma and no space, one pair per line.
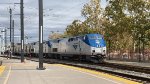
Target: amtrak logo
75,46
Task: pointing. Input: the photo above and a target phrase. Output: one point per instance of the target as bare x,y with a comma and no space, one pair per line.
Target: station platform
141,64
14,72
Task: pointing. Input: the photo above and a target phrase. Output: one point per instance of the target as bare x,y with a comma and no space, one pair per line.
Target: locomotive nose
99,51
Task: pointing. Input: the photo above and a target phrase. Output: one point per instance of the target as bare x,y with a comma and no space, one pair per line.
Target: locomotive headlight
93,50
104,51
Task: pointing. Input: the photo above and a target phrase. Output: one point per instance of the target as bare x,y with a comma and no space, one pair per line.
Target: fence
145,57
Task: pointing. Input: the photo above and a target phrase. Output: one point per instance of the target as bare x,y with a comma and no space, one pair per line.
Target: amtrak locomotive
90,47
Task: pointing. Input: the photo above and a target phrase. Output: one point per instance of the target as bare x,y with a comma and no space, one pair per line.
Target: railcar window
73,39
93,37
58,41
70,39
99,37
32,50
54,49
83,37
76,38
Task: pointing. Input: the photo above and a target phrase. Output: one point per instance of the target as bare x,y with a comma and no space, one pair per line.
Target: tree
56,35
126,17
93,14
75,28
124,23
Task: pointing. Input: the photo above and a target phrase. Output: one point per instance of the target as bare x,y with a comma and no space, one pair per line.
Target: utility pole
1,46
41,35
139,48
22,29
5,39
13,26
10,11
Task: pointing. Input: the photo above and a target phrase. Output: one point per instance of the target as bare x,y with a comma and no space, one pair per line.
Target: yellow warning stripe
2,68
101,74
8,75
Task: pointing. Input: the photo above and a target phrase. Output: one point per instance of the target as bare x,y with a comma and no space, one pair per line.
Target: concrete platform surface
26,73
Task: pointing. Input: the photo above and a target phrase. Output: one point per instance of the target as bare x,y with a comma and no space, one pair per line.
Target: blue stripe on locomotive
49,43
94,40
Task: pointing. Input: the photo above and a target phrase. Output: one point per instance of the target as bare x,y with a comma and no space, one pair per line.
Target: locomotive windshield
95,37
99,37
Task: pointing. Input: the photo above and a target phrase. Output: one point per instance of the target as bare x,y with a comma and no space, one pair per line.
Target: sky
57,15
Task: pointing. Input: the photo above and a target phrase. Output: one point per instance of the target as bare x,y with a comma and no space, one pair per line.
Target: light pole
22,29
1,44
10,11
13,37
5,39
41,35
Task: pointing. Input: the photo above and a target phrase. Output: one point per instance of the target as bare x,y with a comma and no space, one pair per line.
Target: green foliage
93,14
93,23
127,17
123,22
77,28
56,36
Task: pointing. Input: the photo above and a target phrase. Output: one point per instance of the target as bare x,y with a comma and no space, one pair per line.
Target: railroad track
136,73
127,67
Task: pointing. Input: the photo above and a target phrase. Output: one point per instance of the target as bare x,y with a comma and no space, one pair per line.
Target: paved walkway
26,73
